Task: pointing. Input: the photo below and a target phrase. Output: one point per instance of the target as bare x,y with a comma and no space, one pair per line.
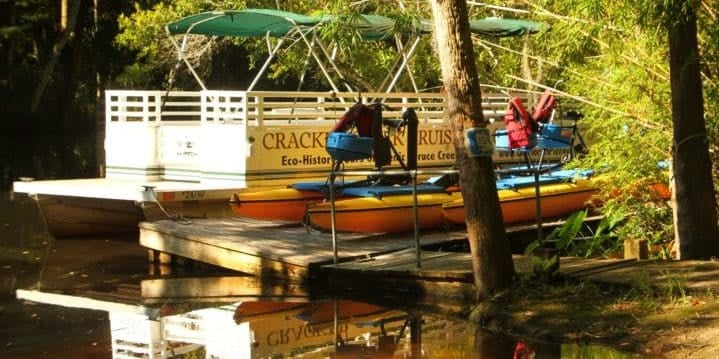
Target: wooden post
636,249
165,258
153,256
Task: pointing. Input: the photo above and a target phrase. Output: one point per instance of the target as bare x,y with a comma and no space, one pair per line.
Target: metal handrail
413,176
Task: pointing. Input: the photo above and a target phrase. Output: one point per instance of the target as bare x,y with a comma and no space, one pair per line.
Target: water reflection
23,242
155,311
333,328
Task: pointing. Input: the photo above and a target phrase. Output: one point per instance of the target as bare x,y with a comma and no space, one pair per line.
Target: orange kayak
284,204
389,214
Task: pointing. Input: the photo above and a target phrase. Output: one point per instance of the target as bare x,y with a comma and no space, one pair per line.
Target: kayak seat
381,191
322,186
515,182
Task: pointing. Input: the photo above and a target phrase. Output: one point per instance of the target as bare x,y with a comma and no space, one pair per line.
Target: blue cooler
501,140
553,136
343,146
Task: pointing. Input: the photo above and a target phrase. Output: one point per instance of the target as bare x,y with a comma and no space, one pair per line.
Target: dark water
101,294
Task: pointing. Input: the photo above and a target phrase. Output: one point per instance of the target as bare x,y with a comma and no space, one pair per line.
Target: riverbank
638,319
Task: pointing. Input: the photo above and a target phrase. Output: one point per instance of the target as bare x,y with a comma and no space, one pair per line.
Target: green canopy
499,27
248,22
373,27
260,22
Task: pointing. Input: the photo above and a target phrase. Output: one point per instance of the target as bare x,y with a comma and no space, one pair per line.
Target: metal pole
265,65
415,335
336,326
415,217
332,215
538,205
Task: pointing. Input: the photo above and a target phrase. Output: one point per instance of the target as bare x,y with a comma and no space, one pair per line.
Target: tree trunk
99,102
491,258
695,215
50,66
12,44
490,345
63,15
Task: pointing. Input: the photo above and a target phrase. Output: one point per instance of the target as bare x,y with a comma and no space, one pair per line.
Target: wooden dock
270,249
383,263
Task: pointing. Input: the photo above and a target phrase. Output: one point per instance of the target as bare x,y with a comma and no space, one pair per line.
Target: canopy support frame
181,48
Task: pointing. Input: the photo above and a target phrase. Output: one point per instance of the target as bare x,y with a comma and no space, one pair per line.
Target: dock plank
451,266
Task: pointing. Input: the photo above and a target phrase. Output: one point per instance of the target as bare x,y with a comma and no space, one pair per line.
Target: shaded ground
634,319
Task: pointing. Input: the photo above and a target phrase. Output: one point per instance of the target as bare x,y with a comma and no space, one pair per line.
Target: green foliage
643,292
610,54
676,287
652,295
366,63
575,238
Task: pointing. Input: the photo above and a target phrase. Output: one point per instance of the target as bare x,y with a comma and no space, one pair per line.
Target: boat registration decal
192,195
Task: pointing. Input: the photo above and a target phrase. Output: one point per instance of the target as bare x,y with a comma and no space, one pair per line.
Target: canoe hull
67,216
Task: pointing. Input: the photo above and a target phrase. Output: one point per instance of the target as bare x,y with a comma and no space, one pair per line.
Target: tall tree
67,34
695,214
491,258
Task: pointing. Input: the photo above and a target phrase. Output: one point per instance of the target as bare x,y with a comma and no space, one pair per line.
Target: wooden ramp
442,275
270,249
696,276
446,275
449,275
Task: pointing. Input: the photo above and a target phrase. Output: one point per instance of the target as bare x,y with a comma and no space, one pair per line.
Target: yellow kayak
518,205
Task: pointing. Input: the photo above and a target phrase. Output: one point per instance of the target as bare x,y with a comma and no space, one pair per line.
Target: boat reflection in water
314,329
159,311
261,329
209,313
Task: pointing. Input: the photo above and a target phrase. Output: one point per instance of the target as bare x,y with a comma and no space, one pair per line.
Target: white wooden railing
277,106
256,137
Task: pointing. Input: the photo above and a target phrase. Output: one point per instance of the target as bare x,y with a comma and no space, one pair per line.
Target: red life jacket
544,108
360,116
519,124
